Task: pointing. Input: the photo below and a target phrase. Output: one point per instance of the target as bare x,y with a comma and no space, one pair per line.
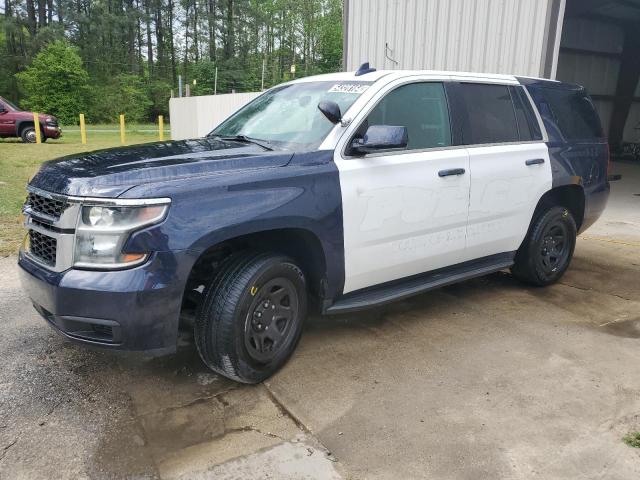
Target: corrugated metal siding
492,36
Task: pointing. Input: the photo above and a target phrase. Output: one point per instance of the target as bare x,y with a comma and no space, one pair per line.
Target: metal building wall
493,36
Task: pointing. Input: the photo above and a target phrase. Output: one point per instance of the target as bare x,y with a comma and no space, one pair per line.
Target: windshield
9,104
288,116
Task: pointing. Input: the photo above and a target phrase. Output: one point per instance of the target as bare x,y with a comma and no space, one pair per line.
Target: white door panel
504,193
400,217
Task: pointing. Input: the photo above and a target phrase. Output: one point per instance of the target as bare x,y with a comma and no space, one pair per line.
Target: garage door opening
600,49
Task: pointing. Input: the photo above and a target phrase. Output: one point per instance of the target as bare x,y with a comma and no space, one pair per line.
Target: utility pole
215,82
262,84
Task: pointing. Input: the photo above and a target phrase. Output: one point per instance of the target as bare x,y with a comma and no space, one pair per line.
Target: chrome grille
51,220
43,247
51,207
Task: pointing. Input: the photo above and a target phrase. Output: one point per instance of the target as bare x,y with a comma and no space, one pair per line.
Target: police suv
343,192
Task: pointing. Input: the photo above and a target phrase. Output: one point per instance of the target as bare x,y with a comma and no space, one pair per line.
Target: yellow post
36,124
83,131
161,127
122,136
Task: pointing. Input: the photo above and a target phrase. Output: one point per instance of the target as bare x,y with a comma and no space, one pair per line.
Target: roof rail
364,68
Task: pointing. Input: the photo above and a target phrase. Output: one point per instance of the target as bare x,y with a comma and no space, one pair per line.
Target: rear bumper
596,197
136,309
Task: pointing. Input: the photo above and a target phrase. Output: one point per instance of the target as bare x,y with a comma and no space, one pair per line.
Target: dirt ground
485,379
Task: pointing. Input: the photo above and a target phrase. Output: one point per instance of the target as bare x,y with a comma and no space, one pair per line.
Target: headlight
103,230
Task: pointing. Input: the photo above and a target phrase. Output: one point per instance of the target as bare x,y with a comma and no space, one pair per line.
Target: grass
632,439
19,162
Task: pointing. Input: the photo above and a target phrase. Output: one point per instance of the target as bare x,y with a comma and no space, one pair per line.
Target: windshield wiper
243,138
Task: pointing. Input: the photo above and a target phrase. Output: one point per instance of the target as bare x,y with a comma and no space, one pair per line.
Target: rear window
492,117
573,113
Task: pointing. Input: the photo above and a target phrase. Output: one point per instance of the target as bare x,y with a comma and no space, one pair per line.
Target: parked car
342,191
15,122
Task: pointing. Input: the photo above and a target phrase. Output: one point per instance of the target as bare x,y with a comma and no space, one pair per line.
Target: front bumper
136,309
52,132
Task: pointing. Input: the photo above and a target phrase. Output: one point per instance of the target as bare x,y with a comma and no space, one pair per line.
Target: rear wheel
547,251
251,317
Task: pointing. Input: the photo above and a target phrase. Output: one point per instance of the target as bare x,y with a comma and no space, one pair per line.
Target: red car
15,122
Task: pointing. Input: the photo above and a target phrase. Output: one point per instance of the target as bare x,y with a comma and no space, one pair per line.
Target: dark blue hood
111,172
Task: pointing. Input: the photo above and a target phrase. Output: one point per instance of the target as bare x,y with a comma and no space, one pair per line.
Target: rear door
403,213
509,165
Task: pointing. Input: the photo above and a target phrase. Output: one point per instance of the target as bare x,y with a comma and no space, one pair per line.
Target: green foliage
330,38
128,94
133,52
56,82
632,439
159,94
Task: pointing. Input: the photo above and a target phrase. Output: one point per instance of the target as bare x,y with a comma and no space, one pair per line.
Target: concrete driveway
486,379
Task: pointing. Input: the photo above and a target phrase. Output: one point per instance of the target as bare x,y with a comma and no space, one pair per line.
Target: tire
547,250
28,134
251,293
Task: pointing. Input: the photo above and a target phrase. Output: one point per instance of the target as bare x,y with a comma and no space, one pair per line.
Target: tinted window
528,126
422,108
492,117
574,113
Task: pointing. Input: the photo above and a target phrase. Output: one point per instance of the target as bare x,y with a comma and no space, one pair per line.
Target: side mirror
381,137
331,110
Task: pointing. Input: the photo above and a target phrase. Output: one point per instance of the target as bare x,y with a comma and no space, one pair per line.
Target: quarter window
422,108
574,113
491,116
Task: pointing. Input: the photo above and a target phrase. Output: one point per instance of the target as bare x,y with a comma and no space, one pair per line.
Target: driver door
405,212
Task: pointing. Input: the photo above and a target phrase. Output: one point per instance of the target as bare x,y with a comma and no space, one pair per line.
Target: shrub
56,82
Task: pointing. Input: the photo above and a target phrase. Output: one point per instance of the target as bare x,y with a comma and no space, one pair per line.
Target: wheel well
27,123
24,125
568,196
301,245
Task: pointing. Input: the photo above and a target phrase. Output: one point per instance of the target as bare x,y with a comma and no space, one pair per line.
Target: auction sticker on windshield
348,88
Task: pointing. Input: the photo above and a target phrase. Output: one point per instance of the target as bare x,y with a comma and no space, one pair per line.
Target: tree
127,94
56,82
155,40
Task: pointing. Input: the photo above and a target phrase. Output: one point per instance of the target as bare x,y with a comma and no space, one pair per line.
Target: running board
400,289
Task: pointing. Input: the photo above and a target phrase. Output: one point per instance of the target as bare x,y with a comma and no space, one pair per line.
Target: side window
422,108
492,117
528,126
574,113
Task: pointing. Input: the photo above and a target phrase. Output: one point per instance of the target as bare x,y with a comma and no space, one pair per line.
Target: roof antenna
364,68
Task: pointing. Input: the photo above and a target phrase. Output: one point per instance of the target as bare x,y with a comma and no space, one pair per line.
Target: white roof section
398,74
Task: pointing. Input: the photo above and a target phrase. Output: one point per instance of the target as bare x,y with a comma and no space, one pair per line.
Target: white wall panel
193,117
493,36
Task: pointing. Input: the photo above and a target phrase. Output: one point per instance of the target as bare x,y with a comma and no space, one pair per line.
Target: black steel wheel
548,248
555,247
271,318
250,320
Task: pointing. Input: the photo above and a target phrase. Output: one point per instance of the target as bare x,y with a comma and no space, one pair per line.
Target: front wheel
545,254
28,135
250,320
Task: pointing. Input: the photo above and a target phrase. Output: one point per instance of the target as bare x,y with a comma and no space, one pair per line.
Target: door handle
451,171
535,161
